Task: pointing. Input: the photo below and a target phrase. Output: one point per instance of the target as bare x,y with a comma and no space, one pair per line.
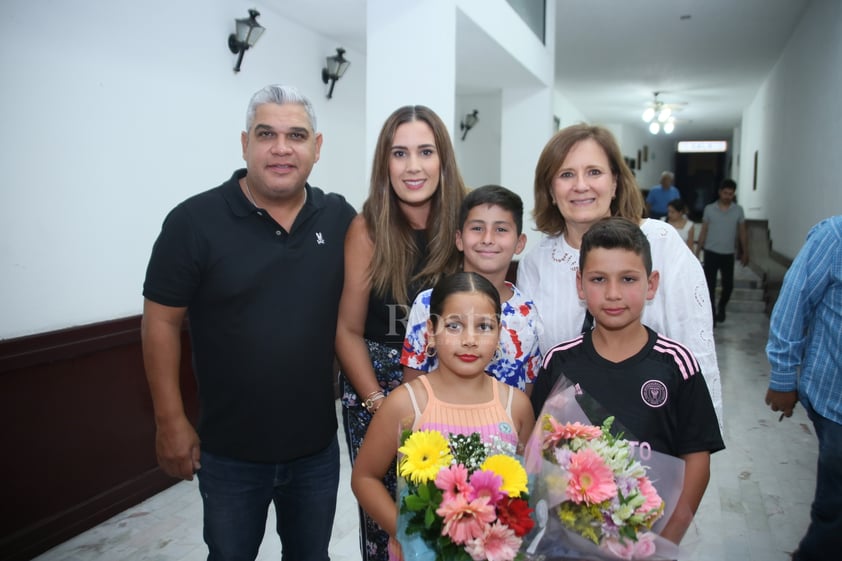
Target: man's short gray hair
280,95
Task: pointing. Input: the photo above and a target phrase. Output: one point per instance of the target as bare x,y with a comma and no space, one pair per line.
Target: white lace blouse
680,309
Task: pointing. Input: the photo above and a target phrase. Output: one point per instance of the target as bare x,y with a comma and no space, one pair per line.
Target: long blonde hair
628,201
395,250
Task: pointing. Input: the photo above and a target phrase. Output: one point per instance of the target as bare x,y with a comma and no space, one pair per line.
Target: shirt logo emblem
319,238
654,393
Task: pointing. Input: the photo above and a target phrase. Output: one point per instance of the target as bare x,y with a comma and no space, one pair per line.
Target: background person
660,195
581,178
677,218
805,356
244,260
402,242
723,227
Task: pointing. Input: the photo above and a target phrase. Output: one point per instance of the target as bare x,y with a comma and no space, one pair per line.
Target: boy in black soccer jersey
651,385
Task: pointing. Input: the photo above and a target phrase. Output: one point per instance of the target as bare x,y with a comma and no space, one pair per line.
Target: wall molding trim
78,432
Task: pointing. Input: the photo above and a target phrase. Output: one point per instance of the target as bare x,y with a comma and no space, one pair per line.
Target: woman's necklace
566,257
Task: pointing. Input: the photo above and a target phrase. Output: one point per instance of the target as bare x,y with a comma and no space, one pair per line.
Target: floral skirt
389,372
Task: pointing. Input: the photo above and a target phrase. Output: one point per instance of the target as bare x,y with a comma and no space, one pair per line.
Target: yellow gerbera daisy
513,474
424,454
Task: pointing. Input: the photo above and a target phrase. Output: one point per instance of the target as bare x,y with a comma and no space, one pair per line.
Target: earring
498,353
430,350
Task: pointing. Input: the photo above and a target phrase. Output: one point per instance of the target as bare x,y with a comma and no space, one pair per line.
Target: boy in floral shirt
490,235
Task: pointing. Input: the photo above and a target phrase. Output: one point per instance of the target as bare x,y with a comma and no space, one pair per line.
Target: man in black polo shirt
257,266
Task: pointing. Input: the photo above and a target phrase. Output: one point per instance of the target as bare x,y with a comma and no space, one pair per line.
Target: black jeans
715,262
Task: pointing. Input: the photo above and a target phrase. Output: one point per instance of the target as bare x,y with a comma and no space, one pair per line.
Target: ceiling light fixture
248,32
659,116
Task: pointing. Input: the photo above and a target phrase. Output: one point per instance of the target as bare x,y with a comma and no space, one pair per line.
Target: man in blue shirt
660,195
805,354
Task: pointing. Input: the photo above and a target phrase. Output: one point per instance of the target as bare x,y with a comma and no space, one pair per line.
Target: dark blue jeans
824,535
236,497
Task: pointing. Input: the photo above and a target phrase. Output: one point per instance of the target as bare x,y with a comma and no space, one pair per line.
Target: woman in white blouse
581,178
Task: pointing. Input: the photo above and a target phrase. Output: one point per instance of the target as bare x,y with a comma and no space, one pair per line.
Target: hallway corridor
756,507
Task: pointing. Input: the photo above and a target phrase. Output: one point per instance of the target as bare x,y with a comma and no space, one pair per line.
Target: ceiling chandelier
659,116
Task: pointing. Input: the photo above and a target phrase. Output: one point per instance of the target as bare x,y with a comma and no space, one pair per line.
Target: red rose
515,513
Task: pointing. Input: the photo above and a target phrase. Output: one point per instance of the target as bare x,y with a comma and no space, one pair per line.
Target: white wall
112,113
406,67
522,98
567,113
479,154
794,124
499,20
660,150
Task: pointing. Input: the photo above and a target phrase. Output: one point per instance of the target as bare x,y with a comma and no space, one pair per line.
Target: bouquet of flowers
460,499
595,498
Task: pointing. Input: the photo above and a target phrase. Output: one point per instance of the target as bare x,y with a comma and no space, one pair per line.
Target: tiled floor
756,507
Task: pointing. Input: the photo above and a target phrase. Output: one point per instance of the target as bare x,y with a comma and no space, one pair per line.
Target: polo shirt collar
242,207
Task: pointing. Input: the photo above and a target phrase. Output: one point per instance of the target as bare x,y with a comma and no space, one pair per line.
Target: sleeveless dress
684,231
490,419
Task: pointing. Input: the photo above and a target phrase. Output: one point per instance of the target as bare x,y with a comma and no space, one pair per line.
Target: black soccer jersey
656,396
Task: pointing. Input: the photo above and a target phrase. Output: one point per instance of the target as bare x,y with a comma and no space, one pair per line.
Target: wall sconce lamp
248,32
471,119
335,68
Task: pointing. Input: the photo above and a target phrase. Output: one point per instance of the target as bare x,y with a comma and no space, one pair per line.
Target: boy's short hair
493,195
616,233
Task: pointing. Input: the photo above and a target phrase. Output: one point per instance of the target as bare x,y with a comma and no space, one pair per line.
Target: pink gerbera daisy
497,543
465,520
591,481
453,481
567,431
486,484
653,500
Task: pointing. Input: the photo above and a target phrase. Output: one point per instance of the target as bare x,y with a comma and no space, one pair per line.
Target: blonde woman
581,178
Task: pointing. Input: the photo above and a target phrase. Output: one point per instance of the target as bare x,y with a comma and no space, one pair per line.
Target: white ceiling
611,55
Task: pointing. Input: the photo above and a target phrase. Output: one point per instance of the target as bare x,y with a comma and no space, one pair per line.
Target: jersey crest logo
654,393
320,238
